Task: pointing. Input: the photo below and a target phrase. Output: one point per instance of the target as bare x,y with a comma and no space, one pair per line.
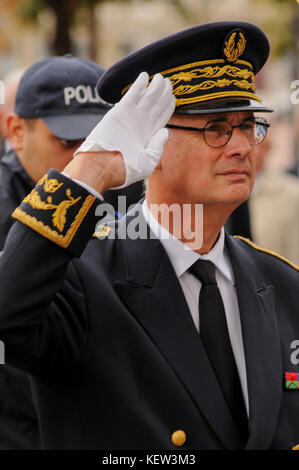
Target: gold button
178,437
296,447
102,231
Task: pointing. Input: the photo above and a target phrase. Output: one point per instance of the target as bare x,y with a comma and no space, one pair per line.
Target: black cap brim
225,107
72,127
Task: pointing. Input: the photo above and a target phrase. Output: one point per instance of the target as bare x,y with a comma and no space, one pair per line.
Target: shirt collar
180,255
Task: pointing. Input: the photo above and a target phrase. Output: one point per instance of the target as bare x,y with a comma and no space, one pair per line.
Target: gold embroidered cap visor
211,66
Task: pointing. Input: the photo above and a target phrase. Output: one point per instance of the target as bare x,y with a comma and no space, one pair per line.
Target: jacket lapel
154,296
261,345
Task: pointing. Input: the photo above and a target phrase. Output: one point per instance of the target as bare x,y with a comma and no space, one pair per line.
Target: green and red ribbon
291,380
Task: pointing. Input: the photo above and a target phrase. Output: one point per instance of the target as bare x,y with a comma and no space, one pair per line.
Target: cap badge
211,78
233,47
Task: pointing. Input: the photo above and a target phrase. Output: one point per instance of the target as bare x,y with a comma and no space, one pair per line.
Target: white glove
135,127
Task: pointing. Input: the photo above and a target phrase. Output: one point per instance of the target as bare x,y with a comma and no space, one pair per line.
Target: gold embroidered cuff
60,210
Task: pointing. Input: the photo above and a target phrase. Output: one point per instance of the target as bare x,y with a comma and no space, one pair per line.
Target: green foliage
28,10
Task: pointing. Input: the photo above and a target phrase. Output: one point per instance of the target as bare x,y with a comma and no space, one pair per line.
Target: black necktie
215,337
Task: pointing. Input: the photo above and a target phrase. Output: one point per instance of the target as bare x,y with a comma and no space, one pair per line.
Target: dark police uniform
48,90
117,362
18,423
15,184
108,338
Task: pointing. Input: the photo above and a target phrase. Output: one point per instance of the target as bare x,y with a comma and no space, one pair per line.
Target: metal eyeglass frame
260,121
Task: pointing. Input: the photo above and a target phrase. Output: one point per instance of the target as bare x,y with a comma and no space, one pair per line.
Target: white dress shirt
181,260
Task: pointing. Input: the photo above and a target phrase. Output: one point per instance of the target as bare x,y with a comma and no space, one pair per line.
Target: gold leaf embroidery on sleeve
53,235
35,201
59,216
50,185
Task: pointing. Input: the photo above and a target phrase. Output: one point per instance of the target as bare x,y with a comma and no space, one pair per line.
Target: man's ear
16,131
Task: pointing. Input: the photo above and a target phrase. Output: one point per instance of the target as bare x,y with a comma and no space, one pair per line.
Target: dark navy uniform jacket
108,338
18,419
15,184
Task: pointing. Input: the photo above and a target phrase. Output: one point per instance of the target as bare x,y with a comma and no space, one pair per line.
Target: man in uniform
159,336
56,107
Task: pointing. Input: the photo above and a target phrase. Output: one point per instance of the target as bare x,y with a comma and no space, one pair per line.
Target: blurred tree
279,24
66,15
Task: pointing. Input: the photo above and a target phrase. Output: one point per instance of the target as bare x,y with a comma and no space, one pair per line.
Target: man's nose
238,144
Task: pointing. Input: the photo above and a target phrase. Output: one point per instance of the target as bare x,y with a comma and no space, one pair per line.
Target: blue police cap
61,91
211,66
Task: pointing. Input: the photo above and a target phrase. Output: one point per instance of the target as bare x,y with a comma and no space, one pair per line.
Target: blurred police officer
55,109
144,343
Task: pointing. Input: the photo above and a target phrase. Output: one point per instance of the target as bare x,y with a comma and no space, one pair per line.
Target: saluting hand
128,142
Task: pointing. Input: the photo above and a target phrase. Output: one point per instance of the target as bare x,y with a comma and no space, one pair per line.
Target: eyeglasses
217,133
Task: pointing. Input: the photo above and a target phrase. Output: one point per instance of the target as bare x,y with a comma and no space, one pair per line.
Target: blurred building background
107,30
